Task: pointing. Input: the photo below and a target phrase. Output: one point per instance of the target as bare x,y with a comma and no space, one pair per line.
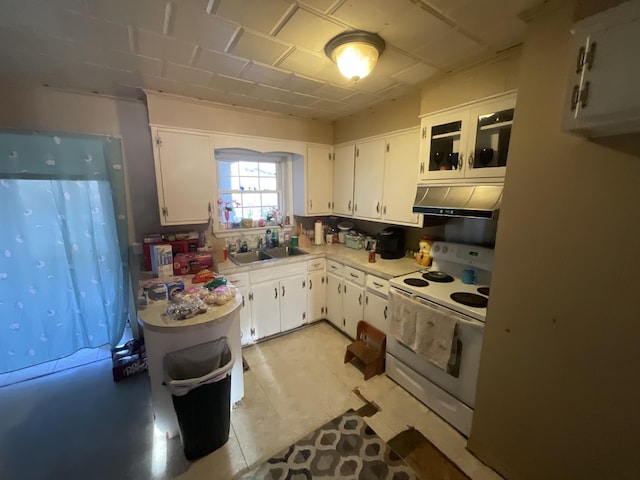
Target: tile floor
295,384
298,382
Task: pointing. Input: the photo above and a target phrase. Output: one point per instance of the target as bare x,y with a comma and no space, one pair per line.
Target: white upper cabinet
467,143
343,169
369,172
312,182
602,95
400,157
184,164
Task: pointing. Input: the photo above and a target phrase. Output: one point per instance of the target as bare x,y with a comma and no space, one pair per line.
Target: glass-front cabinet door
489,139
443,145
467,142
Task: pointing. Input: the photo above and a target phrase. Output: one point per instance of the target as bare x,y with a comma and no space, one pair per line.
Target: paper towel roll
317,233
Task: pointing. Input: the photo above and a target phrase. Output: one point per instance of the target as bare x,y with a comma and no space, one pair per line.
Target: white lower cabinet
376,310
316,290
334,299
352,307
278,297
293,302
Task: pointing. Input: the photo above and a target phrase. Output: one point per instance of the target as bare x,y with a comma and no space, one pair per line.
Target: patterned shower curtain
63,249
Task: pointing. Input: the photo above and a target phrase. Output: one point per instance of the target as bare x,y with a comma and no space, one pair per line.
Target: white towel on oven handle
403,317
435,335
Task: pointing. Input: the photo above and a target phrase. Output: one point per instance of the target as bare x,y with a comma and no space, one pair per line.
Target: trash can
199,379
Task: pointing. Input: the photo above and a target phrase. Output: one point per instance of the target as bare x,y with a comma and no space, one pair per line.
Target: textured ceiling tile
20,13
396,91
416,74
413,29
328,105
145,14
453,48
220,63
131,62
239,100
254,14
374,83
184,74
332,92
308,30
91,30
300,100
203,93
371,15
259,48
230,84
162,85
195,26
299,84
308,64
265,75
331,74
164,47
270,93
392,61
321,5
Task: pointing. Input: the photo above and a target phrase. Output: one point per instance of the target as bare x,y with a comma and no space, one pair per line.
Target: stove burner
439,277
416,282
484,291
470,299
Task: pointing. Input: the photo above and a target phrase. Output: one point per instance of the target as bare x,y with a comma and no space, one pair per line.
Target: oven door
460,384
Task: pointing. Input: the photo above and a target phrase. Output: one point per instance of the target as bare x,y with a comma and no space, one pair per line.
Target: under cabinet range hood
468,201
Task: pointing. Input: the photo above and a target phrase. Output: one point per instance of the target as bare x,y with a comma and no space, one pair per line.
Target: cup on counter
294,241
469,276
329,238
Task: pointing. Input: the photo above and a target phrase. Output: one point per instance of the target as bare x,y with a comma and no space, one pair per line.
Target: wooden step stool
369,348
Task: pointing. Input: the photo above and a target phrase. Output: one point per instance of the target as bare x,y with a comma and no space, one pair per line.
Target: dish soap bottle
275,237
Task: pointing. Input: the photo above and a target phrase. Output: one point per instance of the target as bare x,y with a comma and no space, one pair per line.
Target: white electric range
457,286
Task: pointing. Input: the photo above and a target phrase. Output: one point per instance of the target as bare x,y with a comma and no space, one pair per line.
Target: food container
354,241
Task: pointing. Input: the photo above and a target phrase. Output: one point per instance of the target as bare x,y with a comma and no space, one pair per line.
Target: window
250,191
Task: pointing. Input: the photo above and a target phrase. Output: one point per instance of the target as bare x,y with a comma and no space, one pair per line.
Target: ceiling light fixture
356,53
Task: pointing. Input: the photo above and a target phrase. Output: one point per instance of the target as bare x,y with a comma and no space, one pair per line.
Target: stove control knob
436,248
445,249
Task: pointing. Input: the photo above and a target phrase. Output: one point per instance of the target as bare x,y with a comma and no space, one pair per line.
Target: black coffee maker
390,243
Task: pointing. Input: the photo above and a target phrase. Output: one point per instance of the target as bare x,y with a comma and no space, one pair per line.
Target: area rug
344,448
424,457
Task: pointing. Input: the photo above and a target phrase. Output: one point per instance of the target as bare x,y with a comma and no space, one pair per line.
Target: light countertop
153,315
348,256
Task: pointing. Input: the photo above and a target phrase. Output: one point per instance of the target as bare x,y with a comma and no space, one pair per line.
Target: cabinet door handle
580,60
360,299
366,299
349,205
329,205
591,53
310,203
575,96
310,284
243,300
384,210
355,207
470,160
345,288
276,290
422,167
283,291
339,289
584,94
304,284
378,207
386,307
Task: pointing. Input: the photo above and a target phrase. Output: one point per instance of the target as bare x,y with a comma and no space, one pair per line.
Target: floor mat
344,448
424,457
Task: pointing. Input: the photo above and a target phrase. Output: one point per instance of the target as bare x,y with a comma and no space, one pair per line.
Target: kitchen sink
285,251
254,256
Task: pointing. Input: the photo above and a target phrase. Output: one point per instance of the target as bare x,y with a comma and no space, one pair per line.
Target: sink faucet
260,241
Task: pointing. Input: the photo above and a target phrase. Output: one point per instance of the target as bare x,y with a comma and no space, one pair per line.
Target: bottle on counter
275,237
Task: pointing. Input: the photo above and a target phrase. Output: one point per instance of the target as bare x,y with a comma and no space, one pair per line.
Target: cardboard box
162,260
190,263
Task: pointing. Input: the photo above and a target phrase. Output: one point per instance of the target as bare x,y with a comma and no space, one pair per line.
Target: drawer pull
379,285
354,275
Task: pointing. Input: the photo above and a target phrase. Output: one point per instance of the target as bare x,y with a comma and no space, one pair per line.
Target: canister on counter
372,256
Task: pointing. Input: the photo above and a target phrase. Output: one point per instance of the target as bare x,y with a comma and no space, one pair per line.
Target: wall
379,119
181,112
557,392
